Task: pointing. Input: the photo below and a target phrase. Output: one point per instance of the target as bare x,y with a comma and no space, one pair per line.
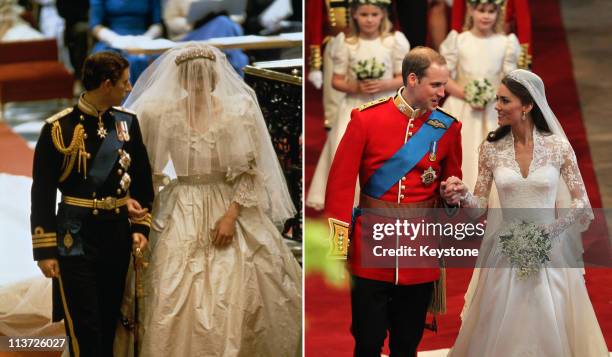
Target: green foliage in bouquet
369,69
526,246
479,92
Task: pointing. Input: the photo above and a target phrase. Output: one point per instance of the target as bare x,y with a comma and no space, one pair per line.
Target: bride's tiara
478,2
371,2
194,53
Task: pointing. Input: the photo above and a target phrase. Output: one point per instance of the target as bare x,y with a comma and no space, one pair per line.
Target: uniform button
401,196
93,194
88,156
119,172
82,117
85,135
118,191
95,212
403,187
409,133
120,151
117,210
411,126
404,178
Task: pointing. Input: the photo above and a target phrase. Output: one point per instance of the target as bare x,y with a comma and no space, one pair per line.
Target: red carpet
328,309
16,157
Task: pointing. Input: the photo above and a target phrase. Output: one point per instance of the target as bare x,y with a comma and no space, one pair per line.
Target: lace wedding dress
549,313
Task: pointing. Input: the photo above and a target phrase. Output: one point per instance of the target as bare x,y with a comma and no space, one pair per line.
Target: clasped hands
453,190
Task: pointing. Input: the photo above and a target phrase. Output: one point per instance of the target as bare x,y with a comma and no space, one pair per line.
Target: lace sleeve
245,192
579,210
479,199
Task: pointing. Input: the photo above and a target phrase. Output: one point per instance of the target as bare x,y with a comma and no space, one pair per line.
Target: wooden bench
30,70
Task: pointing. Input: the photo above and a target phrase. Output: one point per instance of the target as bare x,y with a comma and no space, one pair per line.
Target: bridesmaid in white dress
221,280
480,52
534,167
370,38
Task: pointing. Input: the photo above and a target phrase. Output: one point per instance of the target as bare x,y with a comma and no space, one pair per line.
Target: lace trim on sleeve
245,193
579,210
479,199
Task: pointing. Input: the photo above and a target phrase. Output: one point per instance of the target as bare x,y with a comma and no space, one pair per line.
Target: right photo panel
457,178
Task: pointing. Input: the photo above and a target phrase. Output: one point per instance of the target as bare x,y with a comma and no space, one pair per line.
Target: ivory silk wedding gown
548,314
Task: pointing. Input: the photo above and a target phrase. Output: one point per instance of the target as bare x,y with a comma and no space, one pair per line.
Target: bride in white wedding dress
533,167
220,281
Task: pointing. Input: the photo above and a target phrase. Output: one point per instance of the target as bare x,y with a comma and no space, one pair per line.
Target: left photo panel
151,178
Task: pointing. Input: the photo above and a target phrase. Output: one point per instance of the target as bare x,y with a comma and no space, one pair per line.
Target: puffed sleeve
450,50
96,13
513,51
401,46
340,56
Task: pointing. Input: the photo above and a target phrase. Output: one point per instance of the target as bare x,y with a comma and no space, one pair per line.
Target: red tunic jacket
376,131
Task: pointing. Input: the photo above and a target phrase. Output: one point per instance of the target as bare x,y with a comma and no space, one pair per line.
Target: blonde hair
385,29
468,23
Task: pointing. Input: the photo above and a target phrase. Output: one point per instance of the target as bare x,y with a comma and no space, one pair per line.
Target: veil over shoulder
200,116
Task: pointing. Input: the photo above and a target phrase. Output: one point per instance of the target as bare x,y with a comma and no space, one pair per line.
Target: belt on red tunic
399,210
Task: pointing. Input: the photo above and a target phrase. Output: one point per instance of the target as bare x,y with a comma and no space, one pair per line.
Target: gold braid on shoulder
75,150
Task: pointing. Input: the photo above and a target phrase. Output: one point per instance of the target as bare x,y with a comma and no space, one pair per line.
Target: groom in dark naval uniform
402,148
94,154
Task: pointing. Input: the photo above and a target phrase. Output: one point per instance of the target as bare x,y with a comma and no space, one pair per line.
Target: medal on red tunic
429,176
433,148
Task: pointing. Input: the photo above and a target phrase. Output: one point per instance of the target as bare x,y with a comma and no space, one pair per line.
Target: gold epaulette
445,112
75,151
125,110
373,103
59,115
339,239
524,61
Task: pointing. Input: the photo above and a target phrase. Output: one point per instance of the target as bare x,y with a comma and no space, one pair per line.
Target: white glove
106,35
275,13
154,31
316,78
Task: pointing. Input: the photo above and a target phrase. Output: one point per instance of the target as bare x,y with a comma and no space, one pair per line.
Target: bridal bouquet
369,69
479,92
526,246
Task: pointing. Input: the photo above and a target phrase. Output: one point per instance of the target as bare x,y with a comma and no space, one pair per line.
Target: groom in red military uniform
402,149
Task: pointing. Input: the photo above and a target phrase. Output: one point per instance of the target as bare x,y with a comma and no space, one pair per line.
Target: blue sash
406,158
107,154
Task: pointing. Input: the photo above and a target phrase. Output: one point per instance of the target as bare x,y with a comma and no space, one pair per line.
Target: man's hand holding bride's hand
452,190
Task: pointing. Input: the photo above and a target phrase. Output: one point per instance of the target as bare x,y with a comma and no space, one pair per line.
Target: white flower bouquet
479,92
369,69
526,246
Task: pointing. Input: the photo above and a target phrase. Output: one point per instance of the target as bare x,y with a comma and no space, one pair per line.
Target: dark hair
418,60
536,114
102,66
